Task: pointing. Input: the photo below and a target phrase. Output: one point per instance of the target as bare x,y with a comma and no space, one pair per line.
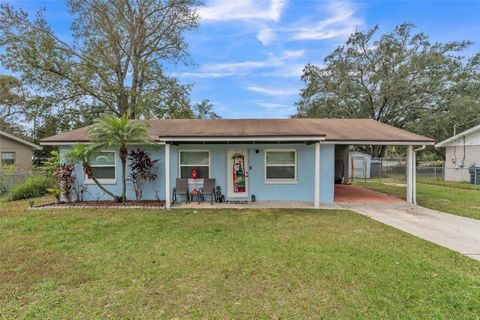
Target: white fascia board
381,143
47,143
244,139
446,142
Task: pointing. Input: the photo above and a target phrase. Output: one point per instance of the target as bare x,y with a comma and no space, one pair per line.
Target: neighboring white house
462,151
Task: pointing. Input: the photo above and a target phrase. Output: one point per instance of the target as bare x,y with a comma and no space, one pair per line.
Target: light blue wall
303,190
151,190
327,173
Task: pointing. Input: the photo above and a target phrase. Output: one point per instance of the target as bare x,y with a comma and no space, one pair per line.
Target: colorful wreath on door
238,173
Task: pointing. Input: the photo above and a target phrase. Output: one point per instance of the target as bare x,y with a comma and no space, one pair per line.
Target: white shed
361,164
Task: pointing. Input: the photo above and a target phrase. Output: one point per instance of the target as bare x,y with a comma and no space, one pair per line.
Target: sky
248,55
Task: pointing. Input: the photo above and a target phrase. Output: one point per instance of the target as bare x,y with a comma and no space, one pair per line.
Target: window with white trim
280,165
190,159
8,158
103,166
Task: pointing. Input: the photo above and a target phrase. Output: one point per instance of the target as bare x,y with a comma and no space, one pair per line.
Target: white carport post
410,175
167,176
316,201
414,177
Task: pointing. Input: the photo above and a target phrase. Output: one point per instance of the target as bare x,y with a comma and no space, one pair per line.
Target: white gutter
420,149
379,143
47,143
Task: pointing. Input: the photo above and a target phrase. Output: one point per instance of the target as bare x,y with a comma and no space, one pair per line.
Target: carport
383,135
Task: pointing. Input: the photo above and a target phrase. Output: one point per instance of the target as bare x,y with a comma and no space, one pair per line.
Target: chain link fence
396,169
8,180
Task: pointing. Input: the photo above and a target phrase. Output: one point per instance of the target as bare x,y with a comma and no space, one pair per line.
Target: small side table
196,193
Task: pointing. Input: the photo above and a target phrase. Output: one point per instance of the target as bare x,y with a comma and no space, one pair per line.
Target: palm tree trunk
123,159
87,170
104,189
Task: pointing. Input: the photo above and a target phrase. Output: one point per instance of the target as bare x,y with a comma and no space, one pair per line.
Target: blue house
276,159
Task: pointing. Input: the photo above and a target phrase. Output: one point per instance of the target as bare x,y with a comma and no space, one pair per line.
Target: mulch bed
158,204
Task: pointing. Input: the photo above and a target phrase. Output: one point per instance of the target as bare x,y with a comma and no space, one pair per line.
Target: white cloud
241,67
293,54
340,22
201,74
249,65
274,91
266,36
274,110
222,10
340,19
270,105
227,69
294,70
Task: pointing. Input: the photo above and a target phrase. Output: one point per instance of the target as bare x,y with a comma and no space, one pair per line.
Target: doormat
236,202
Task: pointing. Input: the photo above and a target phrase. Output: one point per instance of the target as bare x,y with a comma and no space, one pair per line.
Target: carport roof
342,131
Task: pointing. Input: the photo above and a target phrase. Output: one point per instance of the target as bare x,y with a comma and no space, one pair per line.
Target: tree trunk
88,171
378,151
123,159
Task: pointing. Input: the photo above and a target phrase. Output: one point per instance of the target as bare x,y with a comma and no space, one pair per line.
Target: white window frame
190,180
14,158
280,181
104,181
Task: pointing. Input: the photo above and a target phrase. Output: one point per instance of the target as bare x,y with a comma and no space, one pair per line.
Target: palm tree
111,131
82,153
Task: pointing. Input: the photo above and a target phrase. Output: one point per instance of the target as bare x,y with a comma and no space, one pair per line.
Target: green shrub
35,186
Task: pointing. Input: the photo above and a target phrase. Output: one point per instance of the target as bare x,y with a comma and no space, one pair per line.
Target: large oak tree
115,57
399,78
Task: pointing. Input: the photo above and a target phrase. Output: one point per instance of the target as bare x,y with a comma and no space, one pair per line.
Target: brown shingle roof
336,130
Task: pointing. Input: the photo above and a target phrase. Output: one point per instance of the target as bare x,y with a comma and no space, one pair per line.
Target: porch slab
252,205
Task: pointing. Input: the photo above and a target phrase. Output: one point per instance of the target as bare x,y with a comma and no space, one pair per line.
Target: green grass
429,180
453,184
455,198
282,264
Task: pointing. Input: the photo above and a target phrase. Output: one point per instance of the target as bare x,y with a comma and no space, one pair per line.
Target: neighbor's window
8,158
103,165
194,159
280,165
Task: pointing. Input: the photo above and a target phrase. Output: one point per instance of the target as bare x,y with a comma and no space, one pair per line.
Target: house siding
151,190
23,153
461,154
453,169
303,190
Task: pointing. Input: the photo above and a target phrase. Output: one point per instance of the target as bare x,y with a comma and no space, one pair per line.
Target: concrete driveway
454,232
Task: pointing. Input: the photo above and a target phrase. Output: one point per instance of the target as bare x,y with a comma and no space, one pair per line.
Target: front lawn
282,264
456,198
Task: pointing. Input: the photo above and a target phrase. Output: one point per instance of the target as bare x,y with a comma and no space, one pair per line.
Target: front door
237,173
